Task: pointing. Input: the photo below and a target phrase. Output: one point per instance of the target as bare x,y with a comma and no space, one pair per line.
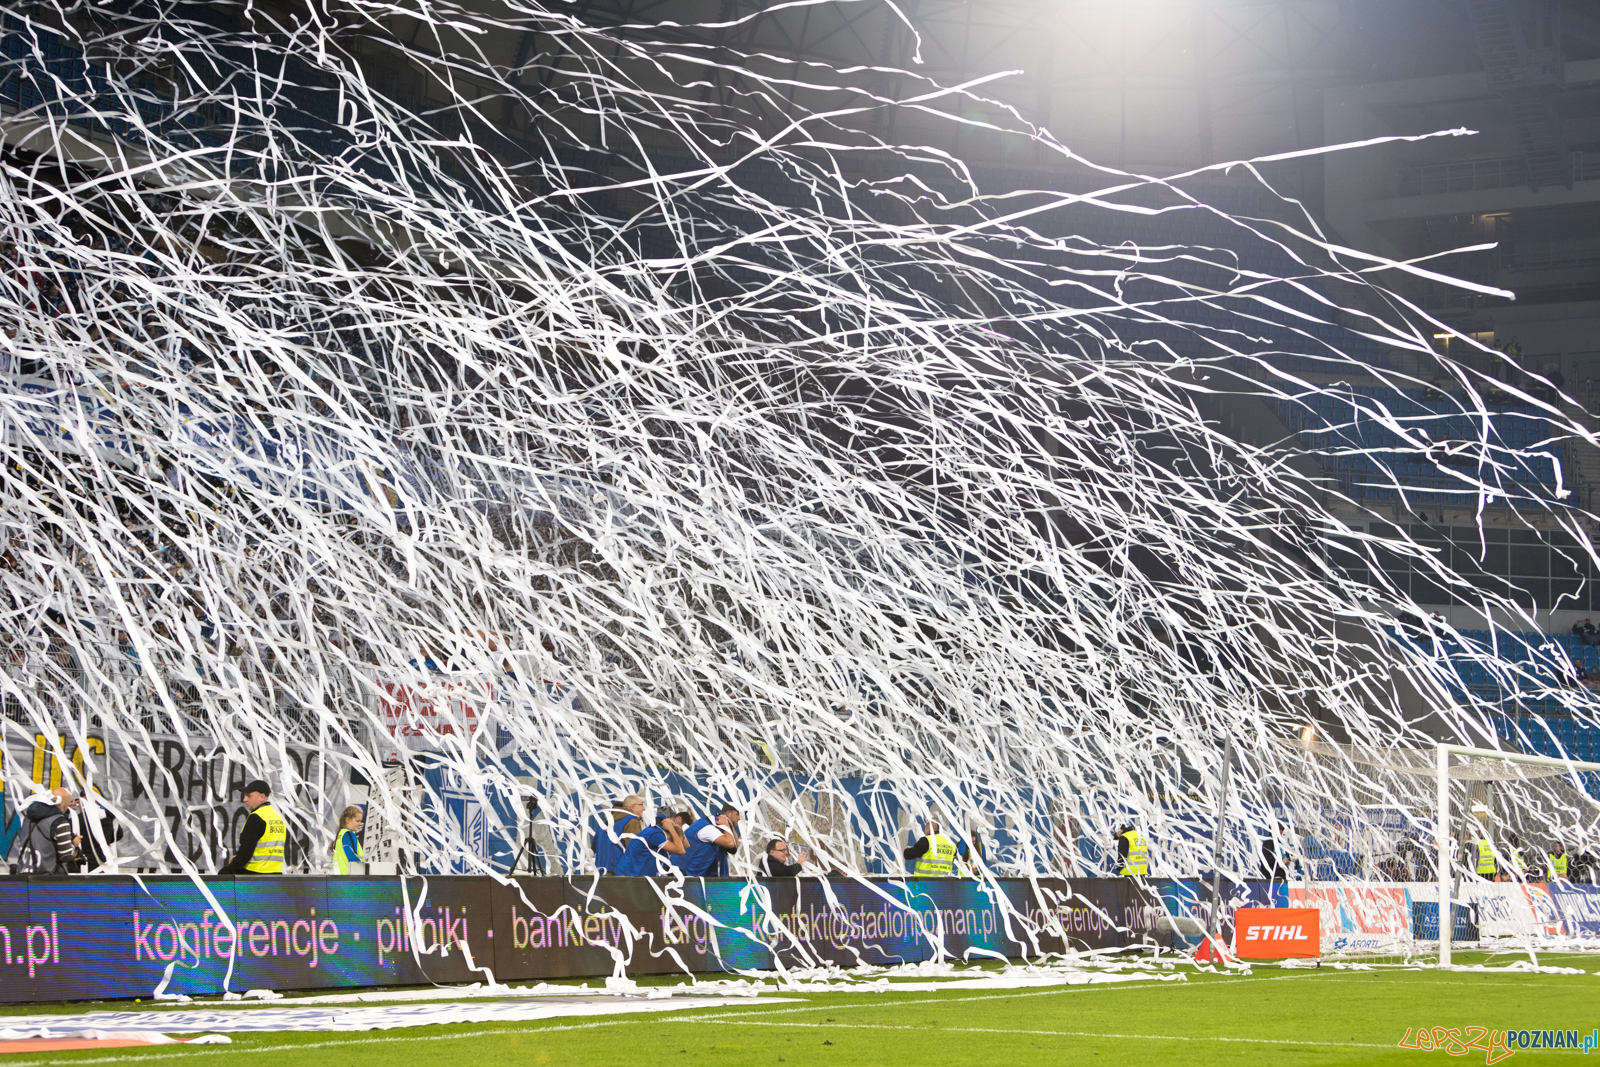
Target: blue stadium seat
1327,421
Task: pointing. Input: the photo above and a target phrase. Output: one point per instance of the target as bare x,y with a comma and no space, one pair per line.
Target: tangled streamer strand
638,404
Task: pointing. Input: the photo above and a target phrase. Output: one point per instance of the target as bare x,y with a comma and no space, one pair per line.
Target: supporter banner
437,711
107,937
1579,906
1277,933
191,788
43,414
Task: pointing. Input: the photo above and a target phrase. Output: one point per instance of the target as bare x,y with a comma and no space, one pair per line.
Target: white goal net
1509,841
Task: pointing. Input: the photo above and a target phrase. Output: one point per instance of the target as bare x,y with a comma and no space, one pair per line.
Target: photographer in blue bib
264,834
710,843
654,850
617,828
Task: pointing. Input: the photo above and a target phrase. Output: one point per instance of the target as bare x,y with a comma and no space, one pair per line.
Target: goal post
1446,860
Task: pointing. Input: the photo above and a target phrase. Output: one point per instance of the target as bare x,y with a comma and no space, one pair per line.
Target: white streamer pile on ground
309,1020
599,399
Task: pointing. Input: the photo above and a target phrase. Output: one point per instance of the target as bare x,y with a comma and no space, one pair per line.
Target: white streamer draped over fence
689,436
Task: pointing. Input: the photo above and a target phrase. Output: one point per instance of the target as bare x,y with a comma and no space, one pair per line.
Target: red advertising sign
1276,933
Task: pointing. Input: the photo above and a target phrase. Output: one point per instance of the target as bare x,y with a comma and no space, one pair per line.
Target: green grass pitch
1271,1016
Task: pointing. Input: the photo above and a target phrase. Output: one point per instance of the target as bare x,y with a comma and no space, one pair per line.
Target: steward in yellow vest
1133,852
267,856
1558,862
1486,865
263,836
935,854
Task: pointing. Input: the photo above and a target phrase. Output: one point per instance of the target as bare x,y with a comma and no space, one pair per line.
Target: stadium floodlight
1444,752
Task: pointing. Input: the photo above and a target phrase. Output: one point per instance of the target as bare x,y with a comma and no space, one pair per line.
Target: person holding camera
49,847
711,842
650,852
779,860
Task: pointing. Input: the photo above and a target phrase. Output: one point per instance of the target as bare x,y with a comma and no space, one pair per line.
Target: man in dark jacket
262,839
1273,868
48,845
776,862
93,855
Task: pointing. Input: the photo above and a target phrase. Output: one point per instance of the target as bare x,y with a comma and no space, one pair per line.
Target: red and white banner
425,716
1367,918
1277,933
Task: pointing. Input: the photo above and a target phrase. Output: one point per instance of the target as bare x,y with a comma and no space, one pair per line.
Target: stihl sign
1277,933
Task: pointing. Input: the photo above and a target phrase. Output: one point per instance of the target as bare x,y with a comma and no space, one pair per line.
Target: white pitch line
750,1018
1062,1033
213,1051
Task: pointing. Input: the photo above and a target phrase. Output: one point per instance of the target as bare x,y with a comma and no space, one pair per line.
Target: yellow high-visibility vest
1485,857
268,856
968,868
940,859
1137,865
1558,864
339,857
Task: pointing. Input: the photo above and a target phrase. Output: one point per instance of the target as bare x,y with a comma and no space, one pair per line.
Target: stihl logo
1277,933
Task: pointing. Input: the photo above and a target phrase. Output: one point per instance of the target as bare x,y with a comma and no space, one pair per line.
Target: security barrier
107,937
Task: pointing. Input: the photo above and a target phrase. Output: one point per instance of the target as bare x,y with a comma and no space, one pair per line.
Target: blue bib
643,854
608,845
703,859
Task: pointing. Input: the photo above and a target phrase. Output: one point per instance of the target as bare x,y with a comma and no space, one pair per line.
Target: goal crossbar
1446,860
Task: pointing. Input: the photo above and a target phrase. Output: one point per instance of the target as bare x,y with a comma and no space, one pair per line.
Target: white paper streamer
595,432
